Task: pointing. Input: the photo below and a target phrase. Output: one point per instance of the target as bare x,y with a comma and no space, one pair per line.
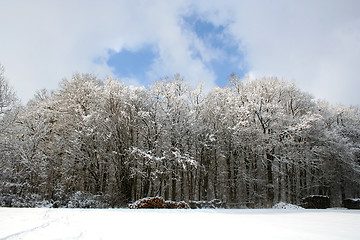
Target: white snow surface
46,223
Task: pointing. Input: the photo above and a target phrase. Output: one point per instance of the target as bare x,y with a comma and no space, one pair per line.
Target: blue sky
133,63
314,43
231,59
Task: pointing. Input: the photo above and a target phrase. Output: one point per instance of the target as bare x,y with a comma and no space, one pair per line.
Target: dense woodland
252,143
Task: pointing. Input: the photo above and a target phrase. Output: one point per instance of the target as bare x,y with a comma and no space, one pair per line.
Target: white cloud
315,43
175,56
48,40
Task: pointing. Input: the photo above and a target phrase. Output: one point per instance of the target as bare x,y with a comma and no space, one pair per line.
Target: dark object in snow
157,202
282,205
316,202
351,203
215,203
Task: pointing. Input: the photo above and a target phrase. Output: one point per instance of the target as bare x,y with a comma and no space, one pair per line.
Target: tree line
252,143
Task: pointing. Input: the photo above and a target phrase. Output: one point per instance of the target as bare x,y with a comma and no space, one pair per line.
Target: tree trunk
270,180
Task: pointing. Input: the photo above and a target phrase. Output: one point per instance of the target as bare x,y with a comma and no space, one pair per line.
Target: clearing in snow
47,223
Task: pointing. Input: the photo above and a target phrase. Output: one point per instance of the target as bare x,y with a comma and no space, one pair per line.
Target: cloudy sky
315,43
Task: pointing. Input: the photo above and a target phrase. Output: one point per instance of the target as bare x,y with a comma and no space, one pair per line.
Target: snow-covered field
44,223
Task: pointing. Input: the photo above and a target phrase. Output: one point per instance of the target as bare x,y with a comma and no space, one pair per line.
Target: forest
99,143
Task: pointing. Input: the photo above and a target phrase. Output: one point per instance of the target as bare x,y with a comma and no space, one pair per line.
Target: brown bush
154,202
157,202
170,204
183,204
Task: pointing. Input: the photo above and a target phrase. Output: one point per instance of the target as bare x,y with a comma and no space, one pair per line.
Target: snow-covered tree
253,143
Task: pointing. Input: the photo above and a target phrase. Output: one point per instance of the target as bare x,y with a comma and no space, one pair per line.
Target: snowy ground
43,223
